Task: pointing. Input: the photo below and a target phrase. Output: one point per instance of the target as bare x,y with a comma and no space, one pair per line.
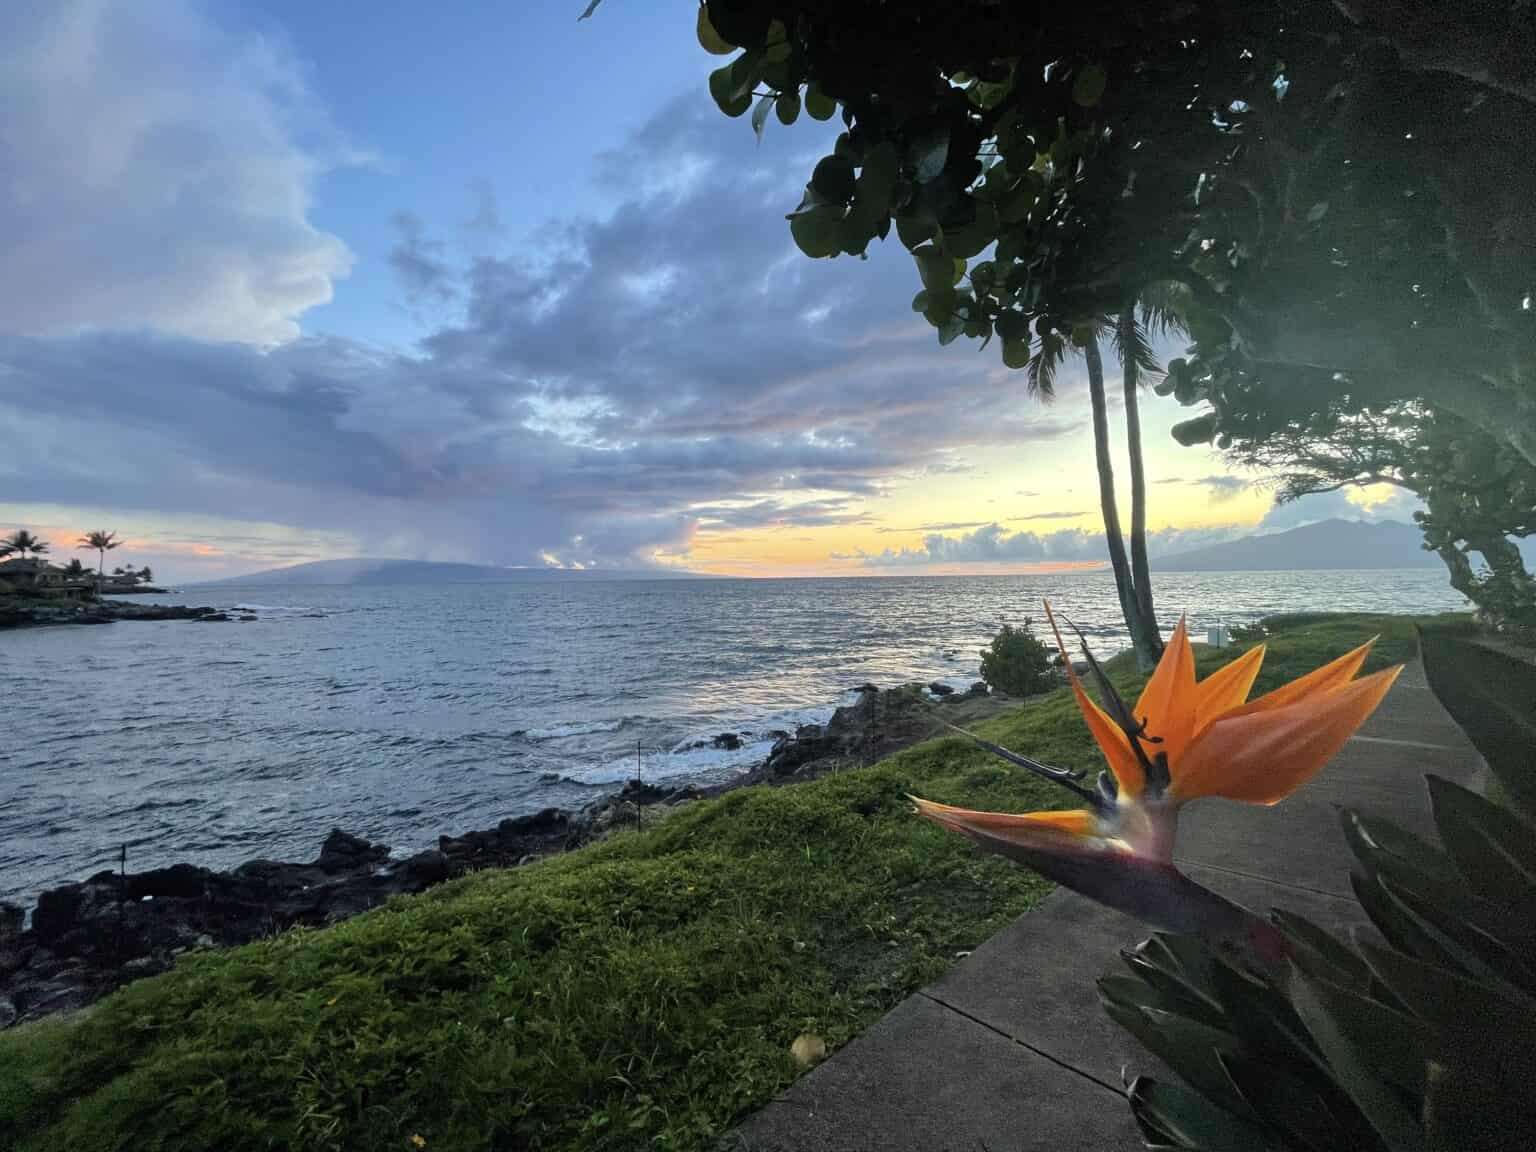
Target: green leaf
914,228
935,267
1196,431
1088,87
1494,851
787,106
1354,1069
1443,998
590,8
818,105
1321,955
1013,327
877,179
833,179
1187,1046
1278,1092
1492,696
778,46
940,306
1170,1116
1401,928
760,115
709,39
928,150
818,231
972,239
951,330
725,87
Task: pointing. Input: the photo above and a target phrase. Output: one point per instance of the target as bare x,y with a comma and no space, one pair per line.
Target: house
36,576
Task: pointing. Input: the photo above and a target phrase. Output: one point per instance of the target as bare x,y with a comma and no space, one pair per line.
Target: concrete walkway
1011,1050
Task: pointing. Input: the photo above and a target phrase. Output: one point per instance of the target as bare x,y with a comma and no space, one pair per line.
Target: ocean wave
684,763
272,608
587,728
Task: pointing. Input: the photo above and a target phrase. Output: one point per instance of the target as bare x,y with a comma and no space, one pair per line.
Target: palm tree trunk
1141,573
1129,607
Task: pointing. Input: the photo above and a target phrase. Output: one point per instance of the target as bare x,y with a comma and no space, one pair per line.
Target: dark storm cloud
598,398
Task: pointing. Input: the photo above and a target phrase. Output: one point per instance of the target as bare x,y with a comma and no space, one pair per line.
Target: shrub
1016,663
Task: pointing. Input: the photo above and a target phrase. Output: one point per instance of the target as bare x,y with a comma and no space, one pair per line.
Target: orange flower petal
1226,688
1167,704
1261,757
1025,827
1122,761
1331,675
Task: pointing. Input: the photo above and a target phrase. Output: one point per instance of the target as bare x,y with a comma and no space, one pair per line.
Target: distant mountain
1327,544
429,572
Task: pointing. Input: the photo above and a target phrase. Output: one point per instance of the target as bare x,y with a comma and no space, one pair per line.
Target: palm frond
1050,351
1164,304
1138,345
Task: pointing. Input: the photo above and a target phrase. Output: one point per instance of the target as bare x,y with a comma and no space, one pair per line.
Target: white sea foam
564,731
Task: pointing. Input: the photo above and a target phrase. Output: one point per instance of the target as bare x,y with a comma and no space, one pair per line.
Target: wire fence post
122,898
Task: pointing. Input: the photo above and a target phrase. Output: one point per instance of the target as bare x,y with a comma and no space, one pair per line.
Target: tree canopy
1342,190
1339,196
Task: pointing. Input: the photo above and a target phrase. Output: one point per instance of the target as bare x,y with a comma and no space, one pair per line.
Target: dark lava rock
342,851
939,688
90,937
214,617
875,725
978,688
728,741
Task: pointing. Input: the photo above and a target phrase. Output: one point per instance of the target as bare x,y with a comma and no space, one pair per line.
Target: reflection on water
401,712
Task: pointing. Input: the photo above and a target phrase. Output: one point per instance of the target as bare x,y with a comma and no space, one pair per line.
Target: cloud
775,514
993,544
418,262
486,221
672,368
1380,502
1050,515
948,527
154,178
1223,488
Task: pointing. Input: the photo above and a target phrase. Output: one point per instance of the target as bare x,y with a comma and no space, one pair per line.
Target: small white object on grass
808,1049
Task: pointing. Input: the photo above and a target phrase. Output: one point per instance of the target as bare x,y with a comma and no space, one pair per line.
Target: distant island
363,571
1326,544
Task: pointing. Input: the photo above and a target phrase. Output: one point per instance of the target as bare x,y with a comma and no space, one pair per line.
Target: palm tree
146,575
102,542
23,541
74,569
1133,577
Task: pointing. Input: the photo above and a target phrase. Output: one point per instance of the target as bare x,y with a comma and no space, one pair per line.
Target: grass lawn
639,993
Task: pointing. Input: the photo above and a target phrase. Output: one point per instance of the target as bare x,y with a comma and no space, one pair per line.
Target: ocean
399,713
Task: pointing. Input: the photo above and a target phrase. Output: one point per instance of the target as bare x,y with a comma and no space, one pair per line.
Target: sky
487,283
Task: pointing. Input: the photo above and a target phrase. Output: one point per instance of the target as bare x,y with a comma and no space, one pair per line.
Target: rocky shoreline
86,939
33,612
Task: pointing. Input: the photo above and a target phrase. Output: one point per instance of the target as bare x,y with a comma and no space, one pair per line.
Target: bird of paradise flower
1184,740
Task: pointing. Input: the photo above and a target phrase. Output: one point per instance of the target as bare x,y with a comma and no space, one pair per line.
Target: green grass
640,993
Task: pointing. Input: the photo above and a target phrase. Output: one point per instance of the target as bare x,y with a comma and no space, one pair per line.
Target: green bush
1016,663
